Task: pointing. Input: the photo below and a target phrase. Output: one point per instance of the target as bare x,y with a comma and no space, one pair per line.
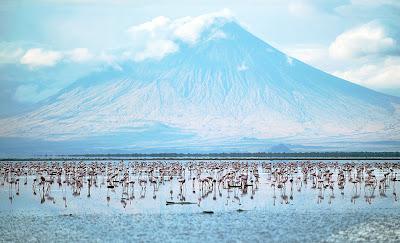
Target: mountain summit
220,87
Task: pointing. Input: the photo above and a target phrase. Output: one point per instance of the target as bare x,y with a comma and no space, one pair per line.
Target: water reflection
209,185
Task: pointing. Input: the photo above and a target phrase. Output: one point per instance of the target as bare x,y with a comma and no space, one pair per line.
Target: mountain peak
206,81
162,36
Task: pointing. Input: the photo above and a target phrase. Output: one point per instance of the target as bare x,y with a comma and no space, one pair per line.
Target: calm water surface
295,213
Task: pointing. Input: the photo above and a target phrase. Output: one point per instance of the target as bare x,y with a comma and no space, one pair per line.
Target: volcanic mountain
228,91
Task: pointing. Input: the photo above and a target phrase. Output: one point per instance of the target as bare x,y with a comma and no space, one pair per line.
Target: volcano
228,91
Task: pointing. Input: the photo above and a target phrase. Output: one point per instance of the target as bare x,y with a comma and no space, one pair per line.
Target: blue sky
45,45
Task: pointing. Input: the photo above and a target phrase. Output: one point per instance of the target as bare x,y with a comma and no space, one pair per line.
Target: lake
224,201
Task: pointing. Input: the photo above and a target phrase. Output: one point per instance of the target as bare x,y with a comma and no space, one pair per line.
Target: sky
46,45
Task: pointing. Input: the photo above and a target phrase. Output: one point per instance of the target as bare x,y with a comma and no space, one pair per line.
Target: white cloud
156,49
80,55
37,57
10,53
313,54
370,56
190,28
380,74
151,40
384,75
161,36
152,26
107,57
368,39
308,54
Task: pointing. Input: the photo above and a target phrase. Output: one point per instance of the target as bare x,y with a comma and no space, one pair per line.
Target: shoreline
198,158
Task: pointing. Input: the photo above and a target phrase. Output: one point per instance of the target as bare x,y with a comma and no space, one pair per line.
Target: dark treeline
261,154
216,156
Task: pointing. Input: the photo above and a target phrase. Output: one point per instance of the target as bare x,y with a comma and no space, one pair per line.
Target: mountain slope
218,91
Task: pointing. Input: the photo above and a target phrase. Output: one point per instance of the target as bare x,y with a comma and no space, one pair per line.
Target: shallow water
306,216
288,225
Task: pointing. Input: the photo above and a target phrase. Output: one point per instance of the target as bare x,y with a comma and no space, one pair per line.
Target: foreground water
297,212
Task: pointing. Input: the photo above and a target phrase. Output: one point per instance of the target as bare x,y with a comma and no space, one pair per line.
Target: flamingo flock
181,181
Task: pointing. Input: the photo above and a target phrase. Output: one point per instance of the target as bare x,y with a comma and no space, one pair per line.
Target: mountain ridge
228,86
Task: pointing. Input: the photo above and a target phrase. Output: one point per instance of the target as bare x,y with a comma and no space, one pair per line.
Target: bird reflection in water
231,182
